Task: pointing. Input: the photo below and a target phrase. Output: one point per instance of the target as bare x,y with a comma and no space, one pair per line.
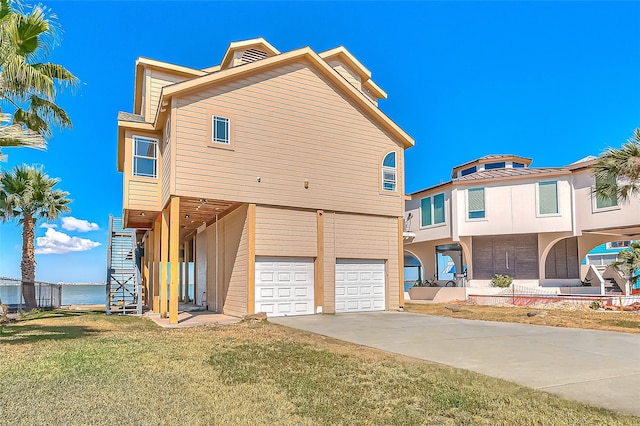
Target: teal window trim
476,203
432,210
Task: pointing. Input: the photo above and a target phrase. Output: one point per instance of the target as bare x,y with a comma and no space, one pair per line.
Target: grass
92,369
626,322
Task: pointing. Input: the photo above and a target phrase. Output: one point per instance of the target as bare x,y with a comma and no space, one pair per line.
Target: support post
174,255
180,277
318,267
251,259
401,261
187,263
164,259
145,271
156,263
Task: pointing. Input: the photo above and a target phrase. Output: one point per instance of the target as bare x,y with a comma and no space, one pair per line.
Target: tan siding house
285,177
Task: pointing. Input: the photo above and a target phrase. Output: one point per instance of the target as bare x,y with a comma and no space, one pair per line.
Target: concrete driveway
596,367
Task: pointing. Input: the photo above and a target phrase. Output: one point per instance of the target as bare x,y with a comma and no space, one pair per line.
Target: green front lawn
86,368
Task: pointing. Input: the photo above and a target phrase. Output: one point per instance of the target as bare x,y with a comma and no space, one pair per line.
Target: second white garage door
360,285
284,286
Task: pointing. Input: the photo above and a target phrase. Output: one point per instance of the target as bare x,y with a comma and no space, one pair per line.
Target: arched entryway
413,270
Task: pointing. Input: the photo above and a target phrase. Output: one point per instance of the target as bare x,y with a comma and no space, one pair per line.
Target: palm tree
28,85
617,171
629,262
27,194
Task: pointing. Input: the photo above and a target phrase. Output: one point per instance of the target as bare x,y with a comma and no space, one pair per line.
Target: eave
304,53
142,63
246,44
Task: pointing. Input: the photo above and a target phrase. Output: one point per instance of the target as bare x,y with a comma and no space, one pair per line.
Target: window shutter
605,202
548,197
476,203
425,207
438,208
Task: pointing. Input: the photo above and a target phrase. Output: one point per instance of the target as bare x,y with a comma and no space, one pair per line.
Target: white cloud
70,223
48,225
55,242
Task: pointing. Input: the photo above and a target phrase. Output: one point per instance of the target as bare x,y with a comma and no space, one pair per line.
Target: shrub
596,304
502,281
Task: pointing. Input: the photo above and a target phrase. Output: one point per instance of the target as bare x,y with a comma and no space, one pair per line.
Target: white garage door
284,286
359,285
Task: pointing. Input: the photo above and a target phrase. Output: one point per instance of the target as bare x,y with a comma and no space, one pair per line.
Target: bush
502,281
596,304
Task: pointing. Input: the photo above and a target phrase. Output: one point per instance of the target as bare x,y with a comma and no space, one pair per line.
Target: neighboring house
499,216
275,173
603,255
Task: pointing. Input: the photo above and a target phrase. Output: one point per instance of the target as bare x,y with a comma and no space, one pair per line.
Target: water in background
75,294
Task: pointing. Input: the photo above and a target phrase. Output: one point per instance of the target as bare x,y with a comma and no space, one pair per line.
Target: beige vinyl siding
370,237
156,81
349,75
139,193
232,263
290,125
349,236
142,195
285,232
166,174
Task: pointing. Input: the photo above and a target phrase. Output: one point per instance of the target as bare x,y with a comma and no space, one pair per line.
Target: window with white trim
548,198
475,203
220,129
432,210
145,157
389,172
618,244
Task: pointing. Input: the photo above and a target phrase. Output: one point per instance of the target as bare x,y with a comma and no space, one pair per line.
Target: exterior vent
252,55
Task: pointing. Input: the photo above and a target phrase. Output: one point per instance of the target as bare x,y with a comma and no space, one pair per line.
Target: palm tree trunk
28,264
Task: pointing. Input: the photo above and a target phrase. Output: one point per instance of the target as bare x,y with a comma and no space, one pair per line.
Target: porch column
400,262
251,259
164,259
318,267
156,263
180,275
174,248
145,271
187,262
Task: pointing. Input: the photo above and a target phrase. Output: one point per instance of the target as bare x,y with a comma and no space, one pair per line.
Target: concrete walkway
596,367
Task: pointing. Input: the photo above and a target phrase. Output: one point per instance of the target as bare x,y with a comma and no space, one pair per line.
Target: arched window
389,172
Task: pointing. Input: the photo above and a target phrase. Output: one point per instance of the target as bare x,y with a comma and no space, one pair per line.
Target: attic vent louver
252,55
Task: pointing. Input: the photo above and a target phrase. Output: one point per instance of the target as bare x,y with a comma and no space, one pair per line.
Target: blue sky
552,81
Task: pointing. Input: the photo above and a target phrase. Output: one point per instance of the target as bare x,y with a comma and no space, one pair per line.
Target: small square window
220,129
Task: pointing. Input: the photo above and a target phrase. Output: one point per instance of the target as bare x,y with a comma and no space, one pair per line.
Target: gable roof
303,54
142,63
258,42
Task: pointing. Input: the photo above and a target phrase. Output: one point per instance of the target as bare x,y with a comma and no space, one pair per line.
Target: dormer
247,51
354,72
491,162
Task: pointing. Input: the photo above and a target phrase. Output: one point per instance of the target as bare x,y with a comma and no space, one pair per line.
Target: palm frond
617,171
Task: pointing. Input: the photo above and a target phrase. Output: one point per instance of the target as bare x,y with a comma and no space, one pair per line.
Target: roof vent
252,55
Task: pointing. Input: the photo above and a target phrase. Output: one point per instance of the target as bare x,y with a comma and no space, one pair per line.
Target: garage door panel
284,286
360,285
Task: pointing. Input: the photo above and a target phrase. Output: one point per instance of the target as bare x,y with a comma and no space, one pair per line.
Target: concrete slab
596,367
193,319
